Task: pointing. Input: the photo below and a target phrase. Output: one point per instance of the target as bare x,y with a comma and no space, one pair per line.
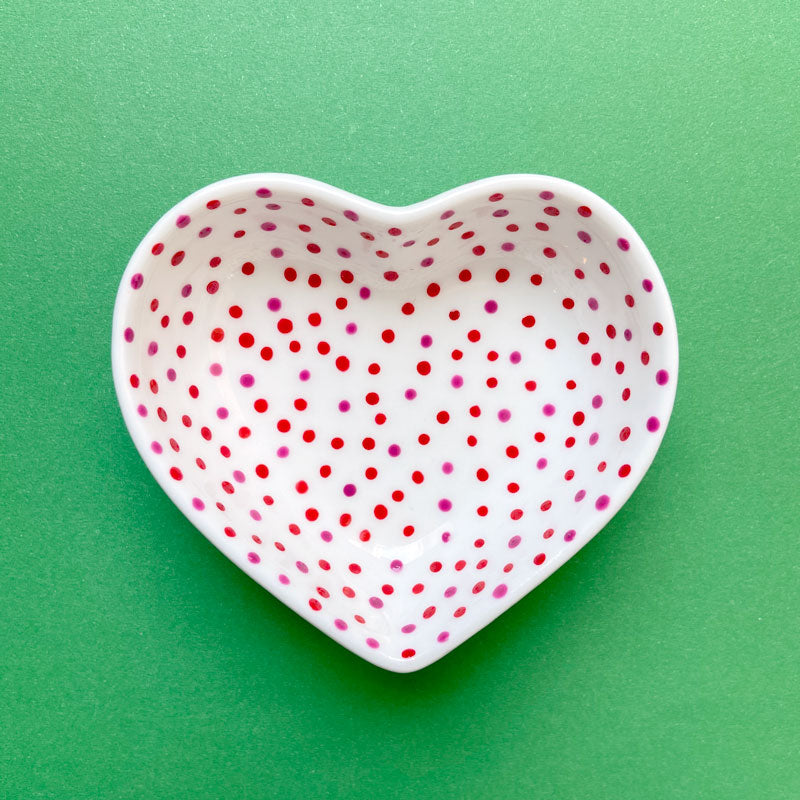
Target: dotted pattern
399,427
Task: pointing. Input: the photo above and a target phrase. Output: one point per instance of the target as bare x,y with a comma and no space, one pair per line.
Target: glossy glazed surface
397,420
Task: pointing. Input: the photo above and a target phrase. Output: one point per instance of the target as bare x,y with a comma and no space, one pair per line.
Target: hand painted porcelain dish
399,421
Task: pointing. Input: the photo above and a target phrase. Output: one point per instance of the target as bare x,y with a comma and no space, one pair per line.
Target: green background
136,661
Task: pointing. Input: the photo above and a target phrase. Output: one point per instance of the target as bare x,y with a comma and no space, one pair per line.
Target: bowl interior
397,420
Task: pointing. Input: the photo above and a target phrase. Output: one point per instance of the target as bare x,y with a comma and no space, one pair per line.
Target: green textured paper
661,662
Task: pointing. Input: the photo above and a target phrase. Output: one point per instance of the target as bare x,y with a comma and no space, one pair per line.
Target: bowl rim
381,212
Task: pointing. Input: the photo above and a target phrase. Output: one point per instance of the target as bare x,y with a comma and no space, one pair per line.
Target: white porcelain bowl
397,420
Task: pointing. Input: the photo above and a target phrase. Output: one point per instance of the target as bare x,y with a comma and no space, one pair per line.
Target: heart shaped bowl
399,421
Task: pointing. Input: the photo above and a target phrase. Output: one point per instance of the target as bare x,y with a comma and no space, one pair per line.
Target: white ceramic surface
397,420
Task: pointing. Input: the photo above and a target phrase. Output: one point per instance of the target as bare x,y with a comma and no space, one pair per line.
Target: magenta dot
349,489
283,579
183,220
426,262
351,328
546,195
602,502
507,246
426,340
394,450
137,280
514,541
263,192
446,537
515,357
340,624
343,252
662,376
647,285
410,628
238,476
490,306
186,290
344,405
268,226
457,381
247,380
623,244
171,374
541,463
548,409
584,237
203,232
597,401
628,334
504,415
443,637
282,451
569,536
447,468
128,334
580,495
408,243
326,536
254,558
445,504
353,217
364,293
304,375
152,348
593,304
156,448
276,252
396,565
376,602
301,565
215,369
500,591
255,515
222,412
447,214
593,439
653,424
450,591
274,304
501,212
198,503
410,394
